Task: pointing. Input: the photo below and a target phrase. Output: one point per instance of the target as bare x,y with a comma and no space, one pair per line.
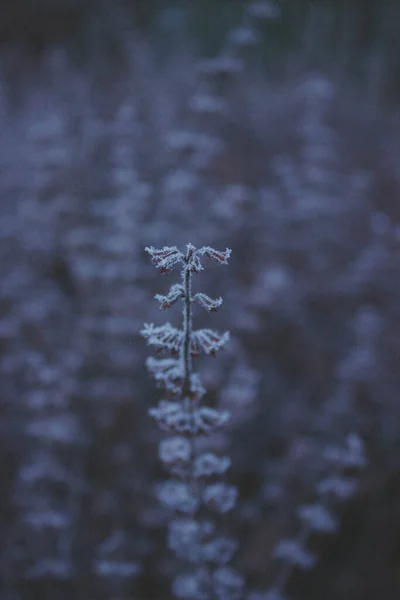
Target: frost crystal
220,496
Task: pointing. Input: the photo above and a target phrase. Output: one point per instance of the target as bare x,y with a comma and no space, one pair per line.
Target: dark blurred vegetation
353,40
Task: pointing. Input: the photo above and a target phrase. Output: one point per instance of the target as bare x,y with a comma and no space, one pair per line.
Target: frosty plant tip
194,486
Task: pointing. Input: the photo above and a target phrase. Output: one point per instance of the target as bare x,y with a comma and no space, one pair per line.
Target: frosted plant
194,485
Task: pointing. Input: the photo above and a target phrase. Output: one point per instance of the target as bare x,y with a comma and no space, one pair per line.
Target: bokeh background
294,164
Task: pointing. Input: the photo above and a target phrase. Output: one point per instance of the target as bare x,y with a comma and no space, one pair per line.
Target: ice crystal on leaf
164,337
219,257
165,259
176,293
194,264
207,341
207,303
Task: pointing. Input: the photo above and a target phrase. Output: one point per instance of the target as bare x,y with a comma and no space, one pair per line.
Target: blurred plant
317,517
191,536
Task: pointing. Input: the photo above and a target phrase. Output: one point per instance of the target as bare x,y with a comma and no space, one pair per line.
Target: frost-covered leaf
164,337
208,464
208,341
194,264
167,372
166,258
220,496
175,449
174,417
197,389
178,496
186,536
183,537
207,303
176,293
218,256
